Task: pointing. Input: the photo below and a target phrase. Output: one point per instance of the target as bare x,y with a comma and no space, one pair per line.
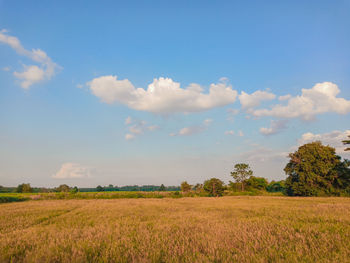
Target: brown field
227,229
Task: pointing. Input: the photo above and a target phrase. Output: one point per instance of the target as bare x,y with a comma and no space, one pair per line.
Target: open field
227,229
17,197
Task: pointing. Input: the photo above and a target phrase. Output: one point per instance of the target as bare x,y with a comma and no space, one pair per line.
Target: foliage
24,188
99,188
214,186
63,188
185,187
241,172
347,142
259,183
12,198
162,188
198,187
274,186
74,190
314,170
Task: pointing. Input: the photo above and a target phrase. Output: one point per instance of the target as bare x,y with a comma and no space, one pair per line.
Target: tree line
313,170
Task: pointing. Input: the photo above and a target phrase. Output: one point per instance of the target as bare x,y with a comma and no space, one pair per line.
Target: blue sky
151,92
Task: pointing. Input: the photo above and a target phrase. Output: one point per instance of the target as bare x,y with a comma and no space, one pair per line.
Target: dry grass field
227,229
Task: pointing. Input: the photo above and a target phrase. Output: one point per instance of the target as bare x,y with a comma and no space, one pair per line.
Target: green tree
315,169
162,188
185,187
259,183
347,142
74,190
198,187
274,186
214,186
63,188
241,172
99,188
24,188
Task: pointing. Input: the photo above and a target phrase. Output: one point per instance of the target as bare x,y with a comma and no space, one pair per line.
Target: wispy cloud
136,128
195,129
276,126
31,74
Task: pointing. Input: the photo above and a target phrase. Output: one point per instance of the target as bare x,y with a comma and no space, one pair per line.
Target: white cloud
276,126
250,101
285,97
229,132
72,170
129,136
31,74
333,139
163,95
80,86
321,98
263,154
195,129
240,133
6,69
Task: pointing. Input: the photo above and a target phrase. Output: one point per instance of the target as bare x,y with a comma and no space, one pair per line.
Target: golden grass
227,229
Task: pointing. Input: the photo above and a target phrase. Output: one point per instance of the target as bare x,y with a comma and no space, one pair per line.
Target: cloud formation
321,98
250,101
137,128
276,126
163,95
195,129
31,74
333,139
72,170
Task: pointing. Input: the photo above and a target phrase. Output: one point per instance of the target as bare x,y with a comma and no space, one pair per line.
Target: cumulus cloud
250,101
276,126
195,129
31,74
321,98
333,139
72,170
163,95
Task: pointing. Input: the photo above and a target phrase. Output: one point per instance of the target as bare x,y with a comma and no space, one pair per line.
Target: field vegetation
225,229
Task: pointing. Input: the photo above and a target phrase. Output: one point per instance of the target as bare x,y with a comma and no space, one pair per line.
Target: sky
159,92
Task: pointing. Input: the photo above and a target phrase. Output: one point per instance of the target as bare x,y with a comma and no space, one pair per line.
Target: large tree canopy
315,169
